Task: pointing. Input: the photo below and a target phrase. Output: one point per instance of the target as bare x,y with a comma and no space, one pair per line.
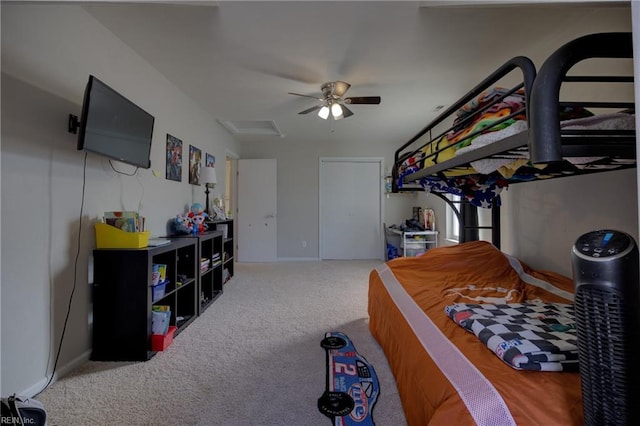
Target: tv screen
113,126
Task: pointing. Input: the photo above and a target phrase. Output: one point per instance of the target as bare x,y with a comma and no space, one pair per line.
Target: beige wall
48,53
541,220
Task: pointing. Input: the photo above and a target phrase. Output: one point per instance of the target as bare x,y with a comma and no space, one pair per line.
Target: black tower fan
607,306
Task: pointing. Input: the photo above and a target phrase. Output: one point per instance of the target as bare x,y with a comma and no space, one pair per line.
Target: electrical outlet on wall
304,244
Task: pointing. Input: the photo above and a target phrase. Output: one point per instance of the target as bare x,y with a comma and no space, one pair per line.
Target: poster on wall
174,158
210,160
195,155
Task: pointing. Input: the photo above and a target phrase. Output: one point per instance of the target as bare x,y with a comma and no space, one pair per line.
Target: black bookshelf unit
210,253
123,296
226,227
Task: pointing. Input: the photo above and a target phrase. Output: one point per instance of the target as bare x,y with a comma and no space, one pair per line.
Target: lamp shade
209,175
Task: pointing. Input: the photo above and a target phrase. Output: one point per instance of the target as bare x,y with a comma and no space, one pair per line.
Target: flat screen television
113,126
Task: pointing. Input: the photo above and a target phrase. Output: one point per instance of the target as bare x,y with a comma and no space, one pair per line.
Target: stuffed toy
197,208
192,222
197,220
182,225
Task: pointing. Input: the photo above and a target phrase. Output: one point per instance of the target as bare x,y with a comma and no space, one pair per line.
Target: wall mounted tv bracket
73,124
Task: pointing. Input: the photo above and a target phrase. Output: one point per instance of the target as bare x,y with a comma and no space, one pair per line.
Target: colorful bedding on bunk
486,113
480,190
495,115
508,165
495,110
447,375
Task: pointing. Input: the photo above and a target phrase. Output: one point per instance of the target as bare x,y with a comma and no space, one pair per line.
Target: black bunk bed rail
411,148
546,137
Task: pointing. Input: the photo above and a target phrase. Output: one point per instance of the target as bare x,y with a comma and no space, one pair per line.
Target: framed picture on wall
195,157
174,158
210,160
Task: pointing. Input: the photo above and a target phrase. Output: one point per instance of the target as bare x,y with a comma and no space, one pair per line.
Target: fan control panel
603,244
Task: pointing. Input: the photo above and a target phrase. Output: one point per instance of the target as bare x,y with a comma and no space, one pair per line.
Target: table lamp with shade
209,178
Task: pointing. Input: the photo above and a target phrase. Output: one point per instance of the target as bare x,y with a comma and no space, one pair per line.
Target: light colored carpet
253,358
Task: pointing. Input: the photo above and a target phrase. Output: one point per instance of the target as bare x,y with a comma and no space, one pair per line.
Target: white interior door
257,210
351,208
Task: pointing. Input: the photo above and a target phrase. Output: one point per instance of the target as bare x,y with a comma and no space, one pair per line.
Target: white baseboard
36,388
298,259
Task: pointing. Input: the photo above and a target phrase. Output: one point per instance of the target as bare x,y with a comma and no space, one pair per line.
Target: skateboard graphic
351,386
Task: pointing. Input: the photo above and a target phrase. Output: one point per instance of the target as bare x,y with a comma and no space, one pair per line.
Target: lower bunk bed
451,365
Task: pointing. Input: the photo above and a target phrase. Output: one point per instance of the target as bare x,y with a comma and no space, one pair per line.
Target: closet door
351,208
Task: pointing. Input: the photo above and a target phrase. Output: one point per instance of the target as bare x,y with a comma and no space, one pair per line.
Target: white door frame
233,194
380,161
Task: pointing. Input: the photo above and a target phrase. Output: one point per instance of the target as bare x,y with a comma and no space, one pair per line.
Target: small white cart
414,243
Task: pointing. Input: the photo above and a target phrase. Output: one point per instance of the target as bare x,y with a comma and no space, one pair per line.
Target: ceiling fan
332,101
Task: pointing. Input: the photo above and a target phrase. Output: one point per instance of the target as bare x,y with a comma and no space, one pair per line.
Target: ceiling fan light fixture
336,111
332,103
324,112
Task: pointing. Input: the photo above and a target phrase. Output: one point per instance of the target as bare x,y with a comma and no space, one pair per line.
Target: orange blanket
474,272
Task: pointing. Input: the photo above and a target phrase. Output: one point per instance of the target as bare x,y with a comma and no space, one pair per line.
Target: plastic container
158,290
160,321
224,228
108,236
160,342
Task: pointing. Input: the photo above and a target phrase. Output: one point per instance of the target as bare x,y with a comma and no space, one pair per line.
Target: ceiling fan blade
371,100
306,96
346,112
307,111
340,88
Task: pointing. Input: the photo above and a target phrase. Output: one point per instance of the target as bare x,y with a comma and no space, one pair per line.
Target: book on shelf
204,264
128,221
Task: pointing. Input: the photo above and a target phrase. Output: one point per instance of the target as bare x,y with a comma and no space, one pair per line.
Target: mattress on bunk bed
435,361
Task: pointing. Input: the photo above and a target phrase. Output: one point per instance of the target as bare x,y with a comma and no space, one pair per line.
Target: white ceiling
239,59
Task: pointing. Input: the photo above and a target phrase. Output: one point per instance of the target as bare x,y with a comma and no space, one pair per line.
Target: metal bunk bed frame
546,142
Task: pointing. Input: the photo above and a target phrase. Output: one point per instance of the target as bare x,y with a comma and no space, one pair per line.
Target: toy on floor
352,385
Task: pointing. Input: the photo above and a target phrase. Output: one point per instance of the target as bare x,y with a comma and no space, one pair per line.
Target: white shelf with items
418,242
414,243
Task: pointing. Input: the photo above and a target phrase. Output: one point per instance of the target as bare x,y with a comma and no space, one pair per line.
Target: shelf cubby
123,297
